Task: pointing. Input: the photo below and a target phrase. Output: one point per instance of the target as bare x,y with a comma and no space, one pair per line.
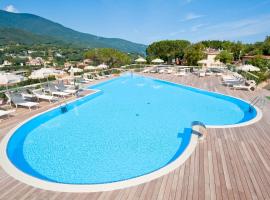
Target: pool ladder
258,101
63,106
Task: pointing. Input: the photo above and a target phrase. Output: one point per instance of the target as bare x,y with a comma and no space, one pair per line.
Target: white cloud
11,8
232,30
197,27
191,16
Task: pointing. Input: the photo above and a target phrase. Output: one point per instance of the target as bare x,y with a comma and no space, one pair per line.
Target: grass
268,97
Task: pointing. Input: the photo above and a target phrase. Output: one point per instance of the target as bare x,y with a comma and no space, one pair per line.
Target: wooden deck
230,164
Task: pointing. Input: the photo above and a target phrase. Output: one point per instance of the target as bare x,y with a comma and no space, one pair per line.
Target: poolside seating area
238,82
228,78
33,98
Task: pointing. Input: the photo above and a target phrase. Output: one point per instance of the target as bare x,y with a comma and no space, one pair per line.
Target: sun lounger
61,87
41,95
201,74
250,85
244,87
181,74
52,90
89,80
233,82
169,71
218,74
6,112
18,100
84,80
209,73
161,71
81,80
98,77
145,71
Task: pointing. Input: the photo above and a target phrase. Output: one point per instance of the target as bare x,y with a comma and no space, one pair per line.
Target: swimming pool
131,127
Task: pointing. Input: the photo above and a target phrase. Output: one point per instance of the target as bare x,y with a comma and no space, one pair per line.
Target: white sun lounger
61,94
209,73
201,74
41,95
89,80
61,87
51,89
6,112
85,80
169,71
18,100
181,74
244,87
161,71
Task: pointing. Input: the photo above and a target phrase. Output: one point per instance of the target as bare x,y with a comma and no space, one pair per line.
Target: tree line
190,54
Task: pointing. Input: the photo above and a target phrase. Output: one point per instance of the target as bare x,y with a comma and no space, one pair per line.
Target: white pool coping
76,188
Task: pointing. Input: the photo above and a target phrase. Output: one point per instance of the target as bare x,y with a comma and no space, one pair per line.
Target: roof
262,56
210,51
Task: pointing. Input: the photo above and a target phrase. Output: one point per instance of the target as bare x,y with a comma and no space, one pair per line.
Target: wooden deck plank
230,164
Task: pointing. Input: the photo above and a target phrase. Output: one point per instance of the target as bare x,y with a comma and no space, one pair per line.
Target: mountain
11,35
41,27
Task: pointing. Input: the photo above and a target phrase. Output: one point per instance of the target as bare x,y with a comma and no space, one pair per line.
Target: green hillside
13,36
43,27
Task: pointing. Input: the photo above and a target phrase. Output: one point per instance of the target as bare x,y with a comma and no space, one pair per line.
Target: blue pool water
132,127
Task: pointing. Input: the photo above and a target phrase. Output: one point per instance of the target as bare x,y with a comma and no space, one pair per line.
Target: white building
210,61
38,61
7,63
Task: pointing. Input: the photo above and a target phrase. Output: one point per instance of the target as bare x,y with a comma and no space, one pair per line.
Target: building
87,61
68,65
6,63
38,61
210,61
247,58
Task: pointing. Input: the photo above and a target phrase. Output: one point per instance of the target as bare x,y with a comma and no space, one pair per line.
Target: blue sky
145,21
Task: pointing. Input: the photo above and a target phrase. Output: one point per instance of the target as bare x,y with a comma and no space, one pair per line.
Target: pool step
199,129
63,107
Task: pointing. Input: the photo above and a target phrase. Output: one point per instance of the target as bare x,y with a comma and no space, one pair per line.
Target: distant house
211,61
6,63
38,61
30,52
58,55
247,58
68,65
80,65
87,61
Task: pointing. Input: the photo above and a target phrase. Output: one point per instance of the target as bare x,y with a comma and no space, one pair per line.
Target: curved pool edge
17,174
258,117
242,124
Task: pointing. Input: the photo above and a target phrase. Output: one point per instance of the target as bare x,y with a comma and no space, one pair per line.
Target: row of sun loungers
50,92
237,82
